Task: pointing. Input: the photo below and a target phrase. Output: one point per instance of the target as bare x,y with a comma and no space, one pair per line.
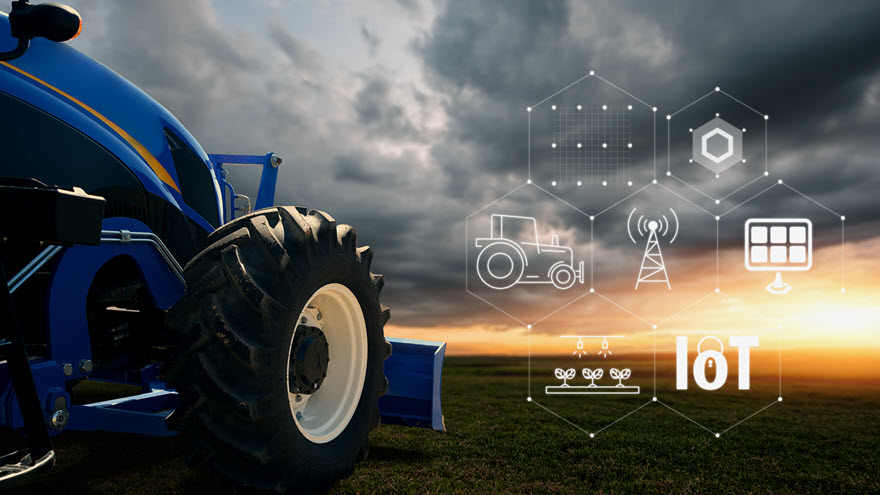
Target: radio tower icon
653,269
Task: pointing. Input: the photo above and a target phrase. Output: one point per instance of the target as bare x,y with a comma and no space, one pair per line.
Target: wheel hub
309,358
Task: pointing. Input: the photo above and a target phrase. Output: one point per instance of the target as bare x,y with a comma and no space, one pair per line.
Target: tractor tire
242,315
500,265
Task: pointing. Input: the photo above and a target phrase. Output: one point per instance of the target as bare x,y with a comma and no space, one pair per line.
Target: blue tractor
123,261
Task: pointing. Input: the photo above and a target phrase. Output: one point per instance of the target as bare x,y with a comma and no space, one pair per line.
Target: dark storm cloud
405,163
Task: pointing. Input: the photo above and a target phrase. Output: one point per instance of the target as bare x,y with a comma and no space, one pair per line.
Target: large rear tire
246,332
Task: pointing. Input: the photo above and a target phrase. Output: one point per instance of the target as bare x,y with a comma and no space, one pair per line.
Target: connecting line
747,184
842,266
766,166
746,201
741,103
591,254
686,200
692,187
716,255
668,151
689,306
622,90
529,148
749,416
811,199
578,298
557,197
563,89
560,417
530,361
499,199
499,309
624,199
622,417
621,307
687,418
692,103
780,364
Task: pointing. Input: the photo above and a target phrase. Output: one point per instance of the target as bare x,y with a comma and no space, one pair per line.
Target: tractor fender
67,321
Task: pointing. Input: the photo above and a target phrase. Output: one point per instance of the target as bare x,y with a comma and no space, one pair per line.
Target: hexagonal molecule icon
717,145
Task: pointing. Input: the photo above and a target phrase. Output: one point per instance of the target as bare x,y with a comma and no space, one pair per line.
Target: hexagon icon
718,363
591,366
527,253
717,145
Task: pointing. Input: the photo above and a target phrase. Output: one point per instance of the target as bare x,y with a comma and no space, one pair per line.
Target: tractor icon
513,255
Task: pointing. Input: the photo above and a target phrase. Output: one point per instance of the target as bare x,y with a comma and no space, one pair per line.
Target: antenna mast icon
653,269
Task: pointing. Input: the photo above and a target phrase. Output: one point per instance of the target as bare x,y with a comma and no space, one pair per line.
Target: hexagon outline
724,156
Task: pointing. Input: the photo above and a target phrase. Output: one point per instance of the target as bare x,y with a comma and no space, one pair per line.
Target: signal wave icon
653,269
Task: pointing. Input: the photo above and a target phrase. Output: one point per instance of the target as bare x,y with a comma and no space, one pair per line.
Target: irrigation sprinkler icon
653,268
579,347
592,388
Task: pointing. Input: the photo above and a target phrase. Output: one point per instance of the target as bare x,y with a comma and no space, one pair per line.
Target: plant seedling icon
620,375
565,375
592,375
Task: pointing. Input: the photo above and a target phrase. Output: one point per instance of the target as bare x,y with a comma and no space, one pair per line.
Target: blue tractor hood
101,104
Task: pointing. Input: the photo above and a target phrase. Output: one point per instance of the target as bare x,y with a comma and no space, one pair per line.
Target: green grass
822,439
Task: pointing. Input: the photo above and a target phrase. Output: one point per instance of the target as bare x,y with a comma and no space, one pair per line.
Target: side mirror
52,21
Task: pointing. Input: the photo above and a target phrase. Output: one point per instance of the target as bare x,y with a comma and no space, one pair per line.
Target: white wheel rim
324,414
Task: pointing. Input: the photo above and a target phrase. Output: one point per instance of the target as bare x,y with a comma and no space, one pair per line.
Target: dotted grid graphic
592,144
716,292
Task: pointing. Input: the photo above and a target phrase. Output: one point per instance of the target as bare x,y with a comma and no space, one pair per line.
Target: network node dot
780,181
654,181
669,117
604,183
553,145
717,201
529,327
690,129
553,107
529,399
717,218
592,289
655,326
654,109
744,160
528,109
690,160
629,107
592,217
668,173
717,114
629,183
579,107
604,145
718,435
766,174
717,176
843,217
842,290
553,183
717,290
654,399
629,145
579,183
604,107
766,117
579,145
717,88
780,399
744,129
592,73
592,435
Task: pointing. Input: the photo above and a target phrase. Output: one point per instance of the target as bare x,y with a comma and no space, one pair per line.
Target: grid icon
592,144
779,244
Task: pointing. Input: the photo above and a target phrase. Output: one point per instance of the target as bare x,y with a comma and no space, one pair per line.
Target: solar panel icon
778,245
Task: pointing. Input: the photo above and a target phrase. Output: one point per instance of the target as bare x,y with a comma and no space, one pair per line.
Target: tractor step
413,371
21,466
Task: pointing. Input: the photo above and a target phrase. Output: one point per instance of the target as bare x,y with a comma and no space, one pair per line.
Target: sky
404,118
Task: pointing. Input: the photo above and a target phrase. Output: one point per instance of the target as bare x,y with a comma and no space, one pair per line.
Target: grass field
823,438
